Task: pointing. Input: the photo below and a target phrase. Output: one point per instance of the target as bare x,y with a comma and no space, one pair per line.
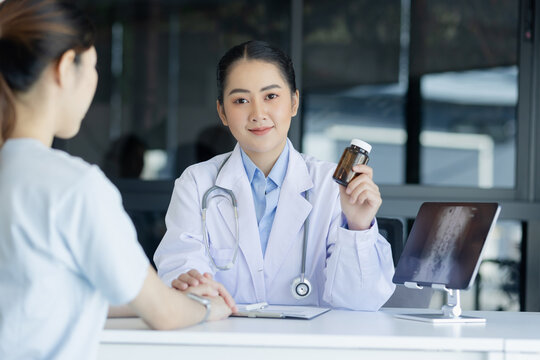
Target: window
154,113
431,84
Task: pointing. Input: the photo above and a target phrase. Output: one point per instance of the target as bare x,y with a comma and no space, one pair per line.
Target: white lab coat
347,269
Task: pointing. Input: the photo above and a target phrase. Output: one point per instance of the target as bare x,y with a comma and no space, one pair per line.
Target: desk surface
503,332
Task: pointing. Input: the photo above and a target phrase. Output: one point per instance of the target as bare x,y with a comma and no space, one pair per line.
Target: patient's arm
164,308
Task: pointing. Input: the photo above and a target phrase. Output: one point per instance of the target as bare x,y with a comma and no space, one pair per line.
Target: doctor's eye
271,96
240,101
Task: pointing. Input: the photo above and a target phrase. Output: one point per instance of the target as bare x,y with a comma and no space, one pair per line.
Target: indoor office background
446,91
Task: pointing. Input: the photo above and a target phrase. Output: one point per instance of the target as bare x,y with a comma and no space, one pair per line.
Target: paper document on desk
281,312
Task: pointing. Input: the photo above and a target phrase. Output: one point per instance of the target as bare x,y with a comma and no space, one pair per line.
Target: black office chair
393,231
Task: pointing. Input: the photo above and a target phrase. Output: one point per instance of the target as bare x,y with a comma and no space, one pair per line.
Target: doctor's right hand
203,285
219,309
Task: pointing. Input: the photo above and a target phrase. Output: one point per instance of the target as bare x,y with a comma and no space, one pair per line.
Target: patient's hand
203,285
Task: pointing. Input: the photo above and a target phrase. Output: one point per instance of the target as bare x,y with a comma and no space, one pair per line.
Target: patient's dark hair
255,50
34,34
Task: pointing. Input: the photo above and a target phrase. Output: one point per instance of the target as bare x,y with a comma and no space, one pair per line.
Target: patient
67,247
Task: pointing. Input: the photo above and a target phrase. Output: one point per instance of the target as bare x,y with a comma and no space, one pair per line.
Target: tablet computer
445,244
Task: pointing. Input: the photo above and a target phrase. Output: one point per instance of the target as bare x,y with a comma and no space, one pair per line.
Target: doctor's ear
221,113
295,102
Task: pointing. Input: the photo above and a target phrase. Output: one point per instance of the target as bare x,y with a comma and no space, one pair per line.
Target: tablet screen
445,244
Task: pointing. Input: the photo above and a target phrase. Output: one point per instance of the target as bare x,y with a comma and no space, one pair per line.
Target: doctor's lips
261,130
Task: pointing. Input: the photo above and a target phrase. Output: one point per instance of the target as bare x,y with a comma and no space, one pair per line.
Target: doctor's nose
258,112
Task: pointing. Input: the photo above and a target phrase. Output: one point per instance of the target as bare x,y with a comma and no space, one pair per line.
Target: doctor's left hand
361,199
203,285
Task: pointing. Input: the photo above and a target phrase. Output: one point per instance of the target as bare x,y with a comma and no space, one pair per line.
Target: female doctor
298,237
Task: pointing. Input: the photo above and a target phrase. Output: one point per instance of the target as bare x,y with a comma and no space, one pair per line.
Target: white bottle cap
361,144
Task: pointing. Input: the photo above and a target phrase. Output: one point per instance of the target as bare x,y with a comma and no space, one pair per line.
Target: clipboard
282,312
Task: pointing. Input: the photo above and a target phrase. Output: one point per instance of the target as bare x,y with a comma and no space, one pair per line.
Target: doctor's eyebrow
273,86
269,87
234,91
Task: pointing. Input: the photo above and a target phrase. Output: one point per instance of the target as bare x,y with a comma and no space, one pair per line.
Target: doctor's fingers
228,300
365,192
368,198
361,179
224,294
179,285
184,281
363,169
202,290
196,275
360,184
192,278
219,309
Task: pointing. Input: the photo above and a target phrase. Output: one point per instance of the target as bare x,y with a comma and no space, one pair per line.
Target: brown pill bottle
356,153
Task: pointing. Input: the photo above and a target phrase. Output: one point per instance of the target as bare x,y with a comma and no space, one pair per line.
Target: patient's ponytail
34,34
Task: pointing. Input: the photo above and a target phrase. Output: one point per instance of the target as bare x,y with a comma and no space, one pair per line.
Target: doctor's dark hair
34,34
254,50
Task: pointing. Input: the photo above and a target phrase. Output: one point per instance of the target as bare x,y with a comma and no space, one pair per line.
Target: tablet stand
451,311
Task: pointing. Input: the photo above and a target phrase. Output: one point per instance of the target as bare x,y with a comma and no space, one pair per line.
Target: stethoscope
300,287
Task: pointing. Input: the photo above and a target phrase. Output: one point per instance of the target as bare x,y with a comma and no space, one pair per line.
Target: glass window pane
498,285
357,75
465,53
155,109
351,82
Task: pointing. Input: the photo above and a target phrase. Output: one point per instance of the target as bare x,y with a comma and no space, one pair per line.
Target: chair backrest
393,231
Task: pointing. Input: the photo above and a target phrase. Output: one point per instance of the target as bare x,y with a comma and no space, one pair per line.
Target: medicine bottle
356,153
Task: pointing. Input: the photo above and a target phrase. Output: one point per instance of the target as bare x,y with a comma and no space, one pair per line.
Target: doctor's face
257,107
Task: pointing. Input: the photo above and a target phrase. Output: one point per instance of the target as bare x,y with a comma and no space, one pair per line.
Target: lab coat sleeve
182,247
359,268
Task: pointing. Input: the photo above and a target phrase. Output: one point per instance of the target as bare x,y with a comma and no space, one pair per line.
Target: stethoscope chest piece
301,288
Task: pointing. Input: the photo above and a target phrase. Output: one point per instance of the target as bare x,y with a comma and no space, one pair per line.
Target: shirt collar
278,172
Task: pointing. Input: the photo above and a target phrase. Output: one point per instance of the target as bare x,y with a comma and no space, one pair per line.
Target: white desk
332,336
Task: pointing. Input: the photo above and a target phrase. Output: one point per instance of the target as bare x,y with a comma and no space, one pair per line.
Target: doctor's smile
261,130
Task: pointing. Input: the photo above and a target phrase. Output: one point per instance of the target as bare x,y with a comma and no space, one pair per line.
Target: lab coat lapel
233,176
291,213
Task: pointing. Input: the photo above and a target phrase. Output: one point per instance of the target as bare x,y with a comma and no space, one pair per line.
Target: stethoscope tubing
232,198
301,280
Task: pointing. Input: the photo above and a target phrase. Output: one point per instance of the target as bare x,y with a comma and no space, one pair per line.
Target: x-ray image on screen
445,244
445,238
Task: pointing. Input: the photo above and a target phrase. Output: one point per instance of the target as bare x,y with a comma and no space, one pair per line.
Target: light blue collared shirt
266,191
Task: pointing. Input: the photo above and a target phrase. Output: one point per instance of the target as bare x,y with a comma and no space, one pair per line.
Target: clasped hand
203,285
